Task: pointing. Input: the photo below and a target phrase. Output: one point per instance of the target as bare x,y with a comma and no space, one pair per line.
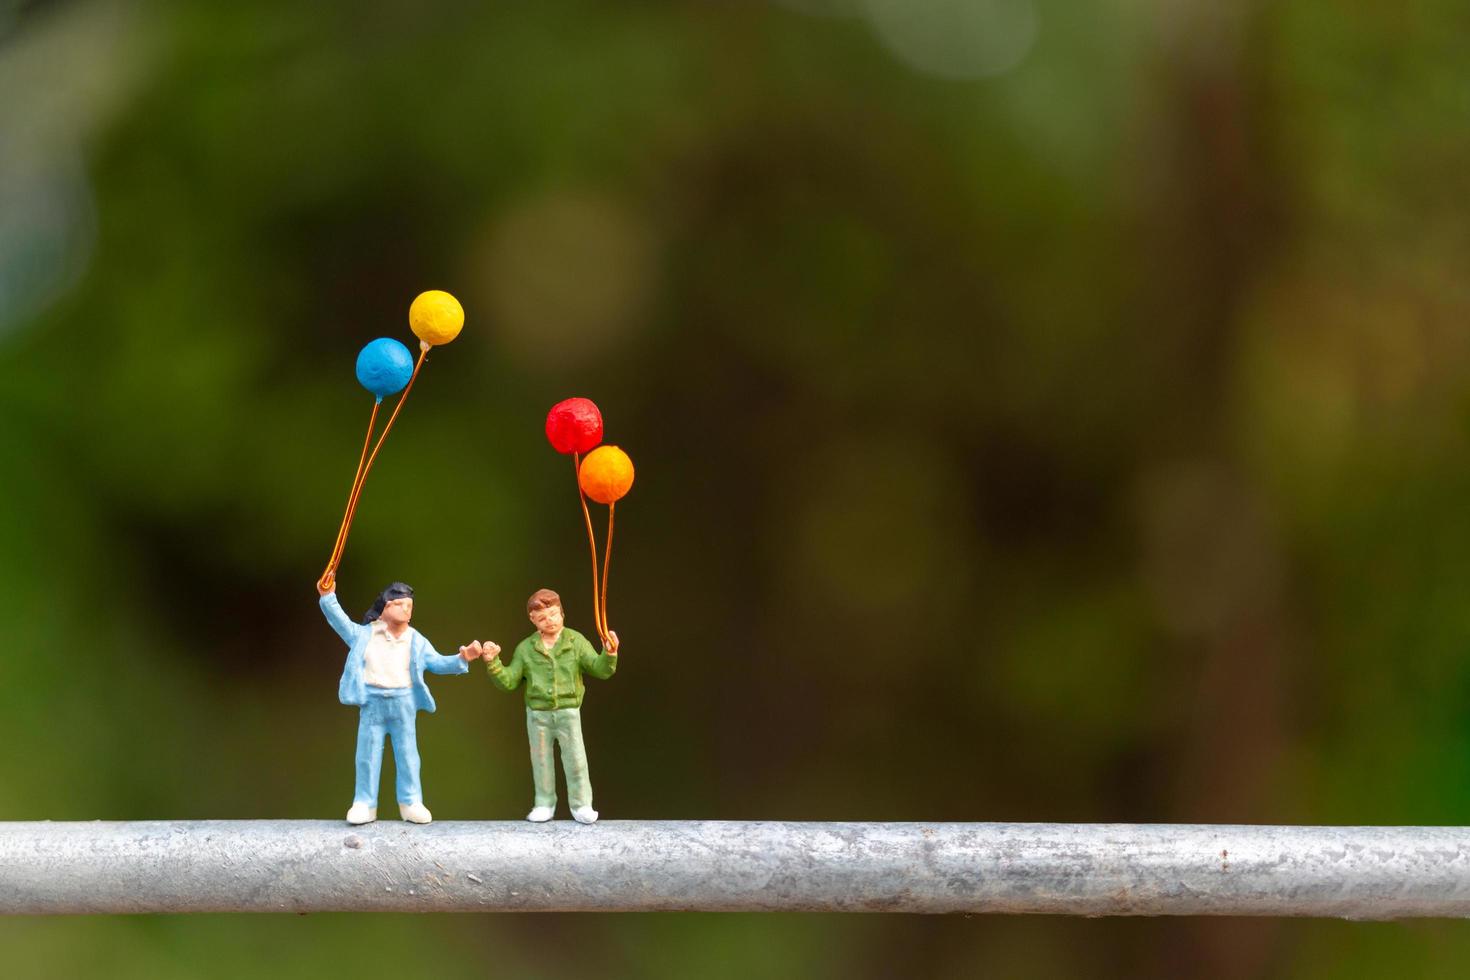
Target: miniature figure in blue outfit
384,677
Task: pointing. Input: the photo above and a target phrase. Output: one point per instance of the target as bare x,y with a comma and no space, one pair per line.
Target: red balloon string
329,576
592,546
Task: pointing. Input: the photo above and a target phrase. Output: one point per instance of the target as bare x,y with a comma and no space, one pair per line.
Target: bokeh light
956,38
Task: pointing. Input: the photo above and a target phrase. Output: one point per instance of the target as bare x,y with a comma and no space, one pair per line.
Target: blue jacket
422,656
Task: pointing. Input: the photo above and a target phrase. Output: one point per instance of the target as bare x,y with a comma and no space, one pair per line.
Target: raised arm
338,619
600,665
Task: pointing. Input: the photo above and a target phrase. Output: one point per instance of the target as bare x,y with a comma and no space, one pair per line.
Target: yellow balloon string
423,353
606,561
592,546
330,574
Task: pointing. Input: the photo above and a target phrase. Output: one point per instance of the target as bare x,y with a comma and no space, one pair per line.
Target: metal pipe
626,866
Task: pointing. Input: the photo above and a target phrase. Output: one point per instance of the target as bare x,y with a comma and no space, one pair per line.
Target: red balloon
574,426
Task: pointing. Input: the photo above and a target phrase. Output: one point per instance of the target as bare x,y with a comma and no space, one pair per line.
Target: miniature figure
384,677
552,661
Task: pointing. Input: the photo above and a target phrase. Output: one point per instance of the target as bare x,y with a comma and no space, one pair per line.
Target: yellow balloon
606,474
435,317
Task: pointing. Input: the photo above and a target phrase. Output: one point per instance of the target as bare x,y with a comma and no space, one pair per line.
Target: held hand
470,652
612,644
491,650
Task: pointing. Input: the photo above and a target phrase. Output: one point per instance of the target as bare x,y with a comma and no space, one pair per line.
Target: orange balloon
606,474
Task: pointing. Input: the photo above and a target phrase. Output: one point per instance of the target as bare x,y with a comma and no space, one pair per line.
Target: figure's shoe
362,813
540,814
415,812
584,815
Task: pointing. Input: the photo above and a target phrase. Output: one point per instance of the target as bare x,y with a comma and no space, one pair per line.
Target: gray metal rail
448,866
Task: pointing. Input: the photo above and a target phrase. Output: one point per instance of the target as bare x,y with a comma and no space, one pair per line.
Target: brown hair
542,599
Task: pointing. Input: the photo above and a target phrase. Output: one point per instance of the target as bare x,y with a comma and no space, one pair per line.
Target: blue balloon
384,367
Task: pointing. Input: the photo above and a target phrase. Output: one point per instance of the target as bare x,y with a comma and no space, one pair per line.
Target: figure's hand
612,644
491,650
328,588
470,652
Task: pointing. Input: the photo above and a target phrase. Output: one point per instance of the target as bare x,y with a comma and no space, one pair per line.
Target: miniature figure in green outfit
551,661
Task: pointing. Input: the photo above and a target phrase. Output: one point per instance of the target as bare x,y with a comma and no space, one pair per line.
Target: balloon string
592,546
606,561
330,574
423,353
356,484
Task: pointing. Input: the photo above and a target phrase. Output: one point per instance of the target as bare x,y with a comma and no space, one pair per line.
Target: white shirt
386,659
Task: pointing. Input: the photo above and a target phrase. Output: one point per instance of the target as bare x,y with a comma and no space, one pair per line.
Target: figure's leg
574,758
369,754
406,751
543,764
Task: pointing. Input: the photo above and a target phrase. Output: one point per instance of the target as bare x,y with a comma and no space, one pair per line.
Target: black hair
398,590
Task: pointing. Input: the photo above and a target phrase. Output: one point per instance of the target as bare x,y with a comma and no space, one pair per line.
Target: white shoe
540,814
362,813
415,812
585,815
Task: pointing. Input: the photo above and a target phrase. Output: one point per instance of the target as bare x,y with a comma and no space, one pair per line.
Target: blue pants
390,712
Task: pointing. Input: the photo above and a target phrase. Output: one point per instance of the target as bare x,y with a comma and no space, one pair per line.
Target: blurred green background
1043,411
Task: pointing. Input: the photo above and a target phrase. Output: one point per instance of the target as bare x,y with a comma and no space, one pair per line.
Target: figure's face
547,620
398,612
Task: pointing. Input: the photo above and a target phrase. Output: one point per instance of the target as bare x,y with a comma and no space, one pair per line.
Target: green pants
564,725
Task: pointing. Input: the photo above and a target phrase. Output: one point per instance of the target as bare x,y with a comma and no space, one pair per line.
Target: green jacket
553,680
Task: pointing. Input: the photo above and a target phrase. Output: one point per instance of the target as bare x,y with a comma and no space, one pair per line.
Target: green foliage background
1088,441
